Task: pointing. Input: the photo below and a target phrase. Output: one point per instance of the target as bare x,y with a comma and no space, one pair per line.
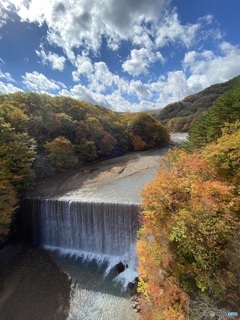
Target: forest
180,116
43,135
188,245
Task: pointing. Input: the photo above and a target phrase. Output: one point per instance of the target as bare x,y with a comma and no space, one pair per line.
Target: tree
145,131
14,116
224,155
224,111
106,144
8,200
17,151
61,153
198,133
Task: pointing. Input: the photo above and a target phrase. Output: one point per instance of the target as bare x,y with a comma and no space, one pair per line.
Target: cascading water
101,232
94,227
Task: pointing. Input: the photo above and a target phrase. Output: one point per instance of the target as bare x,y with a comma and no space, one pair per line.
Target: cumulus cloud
57,62
40,83
6,88
84,67
82,93
102,79
98,75
140,60
140,89
85,22
113,101
206,68
171,31
200,70
170,88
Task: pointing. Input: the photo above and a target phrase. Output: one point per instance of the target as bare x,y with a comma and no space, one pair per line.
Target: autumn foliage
190,228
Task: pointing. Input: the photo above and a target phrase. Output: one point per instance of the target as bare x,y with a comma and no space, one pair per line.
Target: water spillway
91,237
93,227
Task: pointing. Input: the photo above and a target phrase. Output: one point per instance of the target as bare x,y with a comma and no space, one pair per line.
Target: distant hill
181,115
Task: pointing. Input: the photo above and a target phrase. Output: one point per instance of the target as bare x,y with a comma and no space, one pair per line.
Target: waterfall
93,229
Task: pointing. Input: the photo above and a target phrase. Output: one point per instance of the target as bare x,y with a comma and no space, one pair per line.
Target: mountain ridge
180,115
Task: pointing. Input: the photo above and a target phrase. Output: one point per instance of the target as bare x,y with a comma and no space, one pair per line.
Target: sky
126,55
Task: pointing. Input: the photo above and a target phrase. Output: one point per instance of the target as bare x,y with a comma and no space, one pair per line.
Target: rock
120,267
117,169
132,286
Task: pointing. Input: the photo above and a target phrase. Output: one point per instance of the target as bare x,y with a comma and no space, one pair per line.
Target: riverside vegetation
188,245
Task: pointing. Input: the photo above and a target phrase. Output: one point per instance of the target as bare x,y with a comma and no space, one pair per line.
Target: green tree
18,151
224,111
198,136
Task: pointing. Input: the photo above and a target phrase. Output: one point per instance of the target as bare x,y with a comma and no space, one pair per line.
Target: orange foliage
138,143
190,217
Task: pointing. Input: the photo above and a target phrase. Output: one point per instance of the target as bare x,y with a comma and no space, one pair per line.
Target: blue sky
128,55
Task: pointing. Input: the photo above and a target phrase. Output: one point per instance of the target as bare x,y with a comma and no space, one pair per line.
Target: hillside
180,116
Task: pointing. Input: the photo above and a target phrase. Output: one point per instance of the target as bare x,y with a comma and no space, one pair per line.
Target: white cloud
82,93
146,105
171,31
84,67
6,88
171,88
118,103
141,90
102,79
3,16
40,83
113,101
79,28
142,37
85,22
98,76
206,68
7,76
57,62
140,60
